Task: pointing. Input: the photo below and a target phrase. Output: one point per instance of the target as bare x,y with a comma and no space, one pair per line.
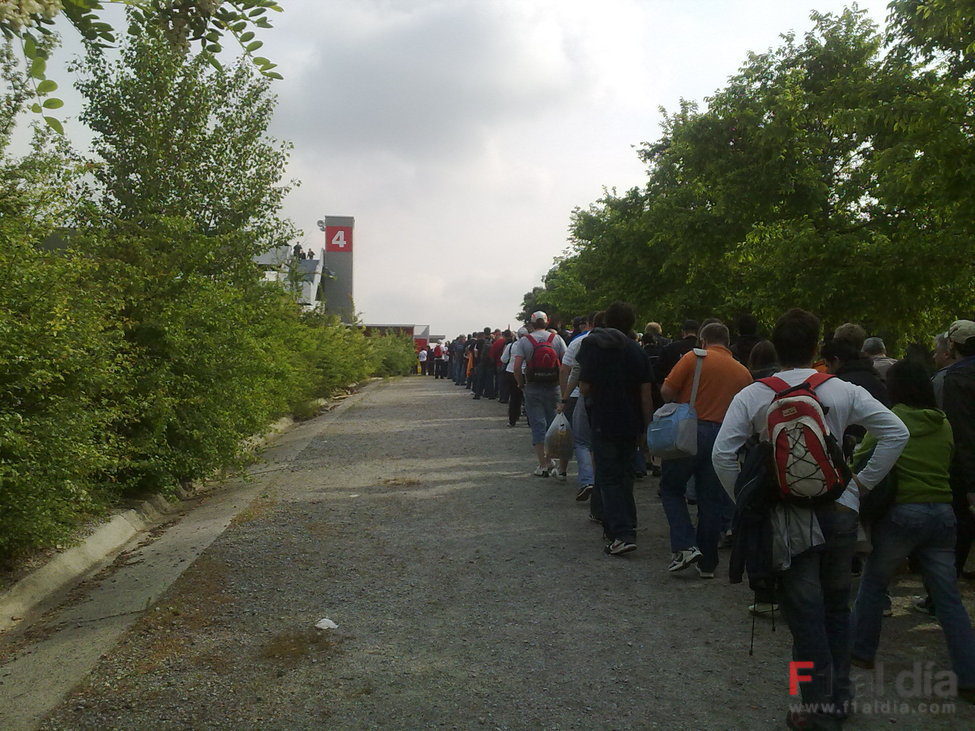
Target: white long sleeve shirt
846,403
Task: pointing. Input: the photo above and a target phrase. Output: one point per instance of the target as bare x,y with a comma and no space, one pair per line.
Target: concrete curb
71,566
74,564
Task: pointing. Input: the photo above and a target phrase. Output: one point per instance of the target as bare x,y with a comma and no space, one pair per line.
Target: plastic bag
558,439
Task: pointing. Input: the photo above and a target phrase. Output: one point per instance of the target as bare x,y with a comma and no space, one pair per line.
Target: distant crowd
814,460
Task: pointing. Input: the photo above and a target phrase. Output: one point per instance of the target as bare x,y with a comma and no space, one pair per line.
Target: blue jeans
711,499
582,441
613,460
540,401
926,531
815,596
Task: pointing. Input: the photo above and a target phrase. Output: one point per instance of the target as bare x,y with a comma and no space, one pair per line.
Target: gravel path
466,592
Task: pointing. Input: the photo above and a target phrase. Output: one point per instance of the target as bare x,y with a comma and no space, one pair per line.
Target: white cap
961,330
522,332
539,315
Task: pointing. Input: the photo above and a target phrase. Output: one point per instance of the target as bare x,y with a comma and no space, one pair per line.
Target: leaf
37,68
53,103
46,86
244,37
261,61
35,108
273,75
30,47
55,124
251,47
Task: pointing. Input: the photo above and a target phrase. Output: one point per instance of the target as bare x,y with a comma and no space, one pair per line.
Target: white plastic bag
558,439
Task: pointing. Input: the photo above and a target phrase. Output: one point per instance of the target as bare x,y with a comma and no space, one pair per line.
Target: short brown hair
654,327
715,333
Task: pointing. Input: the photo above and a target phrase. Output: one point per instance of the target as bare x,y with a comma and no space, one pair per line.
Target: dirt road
466,592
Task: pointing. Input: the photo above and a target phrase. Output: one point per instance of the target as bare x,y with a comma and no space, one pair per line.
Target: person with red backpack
795,473
541,354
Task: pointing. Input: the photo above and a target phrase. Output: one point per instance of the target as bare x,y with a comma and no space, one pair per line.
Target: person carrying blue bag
699,389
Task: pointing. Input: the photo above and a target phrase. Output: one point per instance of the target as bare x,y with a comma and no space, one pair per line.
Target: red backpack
543,364
807,461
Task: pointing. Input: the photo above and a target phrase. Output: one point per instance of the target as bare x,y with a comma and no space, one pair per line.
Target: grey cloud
430,83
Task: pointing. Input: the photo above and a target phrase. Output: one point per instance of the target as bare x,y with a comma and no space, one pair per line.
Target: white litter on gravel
326,623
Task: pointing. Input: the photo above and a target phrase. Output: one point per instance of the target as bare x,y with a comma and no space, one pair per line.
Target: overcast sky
460,134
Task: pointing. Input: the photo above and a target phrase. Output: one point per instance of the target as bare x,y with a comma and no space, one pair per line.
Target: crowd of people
898,444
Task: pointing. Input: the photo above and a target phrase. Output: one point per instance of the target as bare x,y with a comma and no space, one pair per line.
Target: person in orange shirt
721,378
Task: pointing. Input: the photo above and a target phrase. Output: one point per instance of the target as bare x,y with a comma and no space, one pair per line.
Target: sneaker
923,604
704,574
584,492
560,476
540,472
619,547
654,470
760,608
683,559
554,467
595,519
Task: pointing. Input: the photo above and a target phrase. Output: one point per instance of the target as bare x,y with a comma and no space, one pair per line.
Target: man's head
486,331
689,329
715,333
961,338
653,328
796,337
621,316
522,331
539,320
747,324
874,347
599,319
851,333
506,334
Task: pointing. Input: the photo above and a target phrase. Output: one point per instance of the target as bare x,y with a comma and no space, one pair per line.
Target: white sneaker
540,472
704,574
683,559
760,608
560,476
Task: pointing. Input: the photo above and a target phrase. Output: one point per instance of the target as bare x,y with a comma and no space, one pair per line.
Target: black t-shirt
671,354
615,369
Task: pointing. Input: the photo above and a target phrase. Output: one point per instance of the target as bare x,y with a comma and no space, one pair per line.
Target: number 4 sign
338,238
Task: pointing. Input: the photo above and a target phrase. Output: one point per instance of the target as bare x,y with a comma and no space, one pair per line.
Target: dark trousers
504,385
515,398
815,595
613,462
484,381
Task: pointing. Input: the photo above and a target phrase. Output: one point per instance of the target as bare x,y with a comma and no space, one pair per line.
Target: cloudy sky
460,134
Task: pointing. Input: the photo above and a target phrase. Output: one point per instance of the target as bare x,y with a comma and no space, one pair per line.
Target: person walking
920,523
540,352
615,379
721,377
814,566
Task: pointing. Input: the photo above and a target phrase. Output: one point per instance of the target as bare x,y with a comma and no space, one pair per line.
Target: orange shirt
721,378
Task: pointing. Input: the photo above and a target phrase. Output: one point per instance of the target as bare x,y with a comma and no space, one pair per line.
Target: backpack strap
818,379
699,356
775,383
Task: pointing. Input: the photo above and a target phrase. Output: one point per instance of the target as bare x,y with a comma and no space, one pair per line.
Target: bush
58,357
394,355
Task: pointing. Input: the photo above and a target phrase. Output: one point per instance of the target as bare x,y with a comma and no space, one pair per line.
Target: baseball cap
522,331
539,315
961,331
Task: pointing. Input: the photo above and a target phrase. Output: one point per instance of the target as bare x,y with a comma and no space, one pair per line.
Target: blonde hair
654,327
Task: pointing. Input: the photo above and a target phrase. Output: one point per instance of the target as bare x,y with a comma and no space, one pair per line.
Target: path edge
69,567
